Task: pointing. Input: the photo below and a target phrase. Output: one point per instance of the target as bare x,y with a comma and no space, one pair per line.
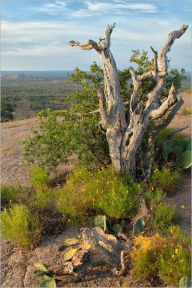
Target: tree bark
125,138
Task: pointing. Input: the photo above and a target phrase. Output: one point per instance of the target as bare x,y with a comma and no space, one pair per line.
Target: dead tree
124,138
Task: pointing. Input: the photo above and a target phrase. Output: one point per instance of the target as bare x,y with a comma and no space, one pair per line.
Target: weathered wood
125,138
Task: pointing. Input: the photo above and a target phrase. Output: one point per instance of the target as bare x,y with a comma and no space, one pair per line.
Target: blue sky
35,33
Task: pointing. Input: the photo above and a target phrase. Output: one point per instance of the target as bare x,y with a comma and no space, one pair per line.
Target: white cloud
95,8
48,40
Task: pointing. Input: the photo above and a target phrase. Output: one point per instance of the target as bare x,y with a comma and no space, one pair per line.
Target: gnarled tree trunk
124,138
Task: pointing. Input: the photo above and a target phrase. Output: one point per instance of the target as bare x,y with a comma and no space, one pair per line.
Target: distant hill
34,75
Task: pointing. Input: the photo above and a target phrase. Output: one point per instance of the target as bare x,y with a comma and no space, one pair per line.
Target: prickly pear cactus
138,226
185,282
117,228
101,221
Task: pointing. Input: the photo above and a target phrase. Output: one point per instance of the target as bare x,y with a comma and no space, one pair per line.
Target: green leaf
41,267
117,228
101,221
185,282
70,241
68,255
184,160
49,283
138,227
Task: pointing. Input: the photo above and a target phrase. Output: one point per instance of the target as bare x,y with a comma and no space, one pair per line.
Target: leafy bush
104,191
42,198
169,258
164,216
14,194
166,179
114,195
38,176
72,199
76,131
154,197
19,225
175,259
145,254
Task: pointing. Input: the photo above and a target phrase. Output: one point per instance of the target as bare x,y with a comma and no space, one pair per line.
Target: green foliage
6,112
77,130
42,198
19,225
175,259
48,283
154,197
117,228
138,227
116,196
184,160
13,194
72,199
145,255
43,270
38,176
101,221
177,148
166,180
167,257
164,217
104,191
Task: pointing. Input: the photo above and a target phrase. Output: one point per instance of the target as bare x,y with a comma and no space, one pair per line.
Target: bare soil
17,265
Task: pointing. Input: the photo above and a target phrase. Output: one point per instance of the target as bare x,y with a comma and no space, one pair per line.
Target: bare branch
155,54
170,114
105,43
104,116
162,61
90,44
137,86
170,101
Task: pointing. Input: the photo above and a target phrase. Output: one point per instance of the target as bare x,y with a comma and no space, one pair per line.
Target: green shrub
38,176
164,217
166,179
42,198
14,194
145,254
154,197
175,259
72,199
104,191
19,225
114,195
169,258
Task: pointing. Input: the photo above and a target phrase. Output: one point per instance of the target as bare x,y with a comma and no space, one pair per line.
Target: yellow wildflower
182,206
173,256
176,251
